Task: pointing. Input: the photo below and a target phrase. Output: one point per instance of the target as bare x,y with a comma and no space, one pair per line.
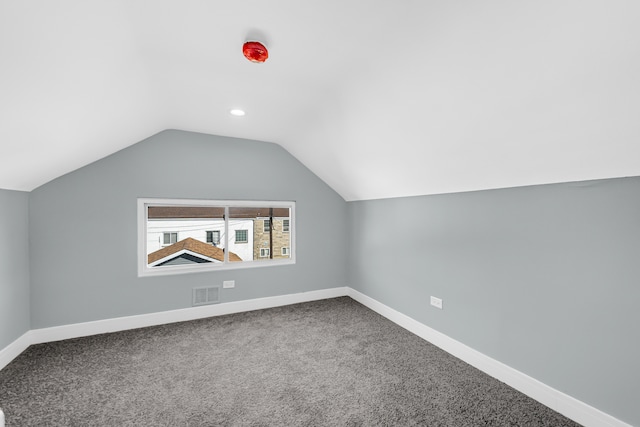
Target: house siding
262,239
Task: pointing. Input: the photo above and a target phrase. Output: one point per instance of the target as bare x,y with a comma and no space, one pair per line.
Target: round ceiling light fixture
255,51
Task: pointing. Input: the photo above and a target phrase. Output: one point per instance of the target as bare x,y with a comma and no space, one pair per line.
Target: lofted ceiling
378,98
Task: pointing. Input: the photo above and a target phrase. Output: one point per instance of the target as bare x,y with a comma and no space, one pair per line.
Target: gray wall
14,266
83,261
545,279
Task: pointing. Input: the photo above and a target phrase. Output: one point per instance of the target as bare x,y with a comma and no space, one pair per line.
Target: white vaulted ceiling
378,98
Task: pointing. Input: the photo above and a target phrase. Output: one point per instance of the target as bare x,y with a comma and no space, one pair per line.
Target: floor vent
206,295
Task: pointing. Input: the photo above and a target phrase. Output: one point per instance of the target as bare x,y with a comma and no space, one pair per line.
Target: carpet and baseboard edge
566,405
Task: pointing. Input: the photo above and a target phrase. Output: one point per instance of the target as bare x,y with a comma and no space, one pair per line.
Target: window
242,236
213,237
169,238
182,236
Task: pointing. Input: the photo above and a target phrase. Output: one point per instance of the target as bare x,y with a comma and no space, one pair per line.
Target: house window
285,226
285,251
242,236
169,238
213,237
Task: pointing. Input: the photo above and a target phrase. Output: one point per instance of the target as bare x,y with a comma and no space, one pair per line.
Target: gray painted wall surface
83,263
14,266
545,279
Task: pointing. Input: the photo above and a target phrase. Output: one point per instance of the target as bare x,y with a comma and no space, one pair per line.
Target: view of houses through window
179,235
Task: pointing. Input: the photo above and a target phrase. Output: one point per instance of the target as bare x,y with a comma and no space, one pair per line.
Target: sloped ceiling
378,98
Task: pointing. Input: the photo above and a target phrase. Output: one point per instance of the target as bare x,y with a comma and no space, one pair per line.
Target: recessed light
237,112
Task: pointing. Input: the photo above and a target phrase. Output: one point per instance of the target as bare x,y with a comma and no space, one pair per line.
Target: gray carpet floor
325,363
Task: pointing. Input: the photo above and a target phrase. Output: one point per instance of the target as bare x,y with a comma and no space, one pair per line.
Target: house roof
377,98
193,246
193,212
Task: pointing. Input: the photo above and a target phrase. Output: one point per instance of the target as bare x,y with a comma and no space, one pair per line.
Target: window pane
242,236
213,237
181,236
265,226
194,225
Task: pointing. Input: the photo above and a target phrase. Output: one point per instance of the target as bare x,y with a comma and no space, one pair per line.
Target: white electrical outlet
229,284
436,302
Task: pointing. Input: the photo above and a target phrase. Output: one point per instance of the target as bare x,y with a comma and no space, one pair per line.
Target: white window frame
285,251
264,252
145,270
288,221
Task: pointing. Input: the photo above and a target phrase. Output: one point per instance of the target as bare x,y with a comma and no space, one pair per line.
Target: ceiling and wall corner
379,99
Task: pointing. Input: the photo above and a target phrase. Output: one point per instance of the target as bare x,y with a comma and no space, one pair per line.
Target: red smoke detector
255,51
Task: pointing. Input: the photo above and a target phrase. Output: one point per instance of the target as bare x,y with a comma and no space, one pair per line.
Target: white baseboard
554,399
57,333
560,402
12,351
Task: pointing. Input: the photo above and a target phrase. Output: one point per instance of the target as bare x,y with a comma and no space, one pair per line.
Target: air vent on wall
206,295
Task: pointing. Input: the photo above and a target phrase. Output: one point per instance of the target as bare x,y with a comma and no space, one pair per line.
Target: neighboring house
188,251
271,236
254,233
169,225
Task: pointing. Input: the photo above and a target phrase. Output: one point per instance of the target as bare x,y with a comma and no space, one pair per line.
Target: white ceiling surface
378,98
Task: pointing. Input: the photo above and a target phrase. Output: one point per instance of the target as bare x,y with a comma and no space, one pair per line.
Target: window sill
186,269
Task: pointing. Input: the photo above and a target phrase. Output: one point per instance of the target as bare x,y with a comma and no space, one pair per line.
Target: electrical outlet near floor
436,302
